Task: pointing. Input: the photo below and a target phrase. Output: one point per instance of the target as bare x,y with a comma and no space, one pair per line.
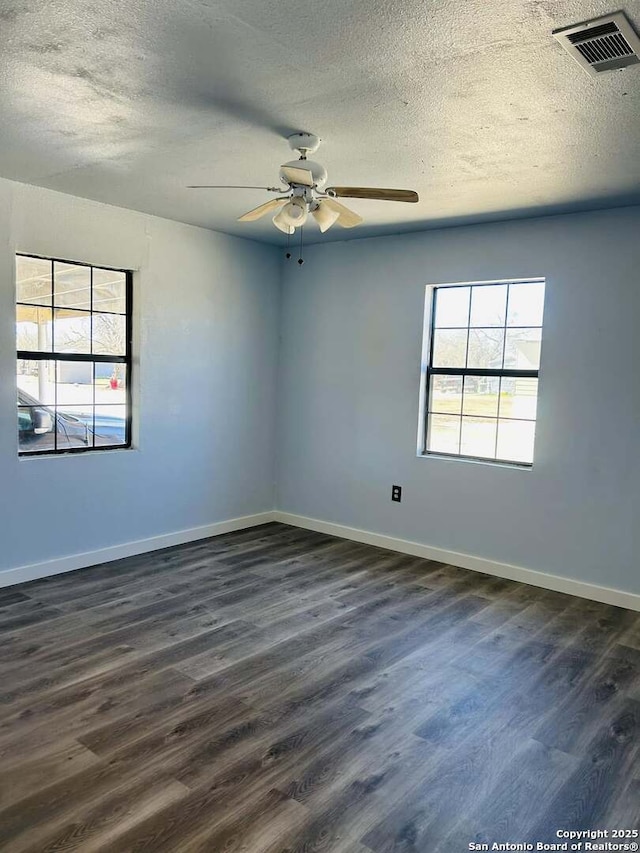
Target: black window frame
87,358
430,371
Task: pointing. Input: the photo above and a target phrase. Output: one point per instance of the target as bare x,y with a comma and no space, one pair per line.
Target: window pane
519,398
485,348
109,291
111,403
75,384
522,349
36,426
515,440
36,382
72,286
444,434
452,306
526,304
33,328
111,384
446,394
481,396
33,280
478,437
109,334
489,305
110,425
449,347
74,427
72,331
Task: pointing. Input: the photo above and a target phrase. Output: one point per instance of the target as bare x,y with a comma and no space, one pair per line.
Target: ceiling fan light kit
303,192
283,226
295,212
324,215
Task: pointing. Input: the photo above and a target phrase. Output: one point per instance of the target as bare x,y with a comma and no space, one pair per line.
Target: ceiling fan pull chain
288,252
301,259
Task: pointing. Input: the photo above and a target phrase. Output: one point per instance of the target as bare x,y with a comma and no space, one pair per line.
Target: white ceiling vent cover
603,44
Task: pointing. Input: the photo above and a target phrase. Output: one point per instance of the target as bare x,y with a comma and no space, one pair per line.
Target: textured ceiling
470,102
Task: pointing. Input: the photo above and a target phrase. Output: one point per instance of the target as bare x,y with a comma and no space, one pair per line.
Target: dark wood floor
279,690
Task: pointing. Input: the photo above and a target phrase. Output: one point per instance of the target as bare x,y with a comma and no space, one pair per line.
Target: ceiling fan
302,193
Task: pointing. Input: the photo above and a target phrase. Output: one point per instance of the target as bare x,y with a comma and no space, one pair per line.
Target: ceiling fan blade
325,216
232,187
297,175
346,218
374,193
257,212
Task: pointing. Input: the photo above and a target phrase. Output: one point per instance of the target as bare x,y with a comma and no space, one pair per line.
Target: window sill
493,463
83,453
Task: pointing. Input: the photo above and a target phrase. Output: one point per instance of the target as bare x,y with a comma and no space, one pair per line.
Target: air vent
603,44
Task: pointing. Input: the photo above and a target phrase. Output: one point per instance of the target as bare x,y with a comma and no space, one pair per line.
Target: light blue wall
345,379
206,318
349,380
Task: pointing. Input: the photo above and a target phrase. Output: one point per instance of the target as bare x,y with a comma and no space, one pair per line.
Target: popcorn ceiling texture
470,102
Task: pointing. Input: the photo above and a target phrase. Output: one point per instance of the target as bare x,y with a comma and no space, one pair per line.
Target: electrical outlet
396,493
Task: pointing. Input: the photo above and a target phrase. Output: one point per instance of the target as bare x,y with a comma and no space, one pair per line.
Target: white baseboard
606,595
129,549
556,583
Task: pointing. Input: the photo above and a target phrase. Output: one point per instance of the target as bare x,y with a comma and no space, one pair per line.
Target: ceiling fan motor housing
318,172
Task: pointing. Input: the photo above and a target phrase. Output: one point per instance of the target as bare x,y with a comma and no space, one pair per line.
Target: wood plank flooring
279,691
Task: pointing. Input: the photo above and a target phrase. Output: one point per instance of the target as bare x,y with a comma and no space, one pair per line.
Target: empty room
319,426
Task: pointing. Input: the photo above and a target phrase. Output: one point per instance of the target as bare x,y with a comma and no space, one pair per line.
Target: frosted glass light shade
324,216
294,213
283,226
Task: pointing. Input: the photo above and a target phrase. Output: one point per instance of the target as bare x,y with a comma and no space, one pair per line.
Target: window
73,324
481,376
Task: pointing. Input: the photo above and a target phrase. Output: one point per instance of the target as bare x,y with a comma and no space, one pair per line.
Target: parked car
38,425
